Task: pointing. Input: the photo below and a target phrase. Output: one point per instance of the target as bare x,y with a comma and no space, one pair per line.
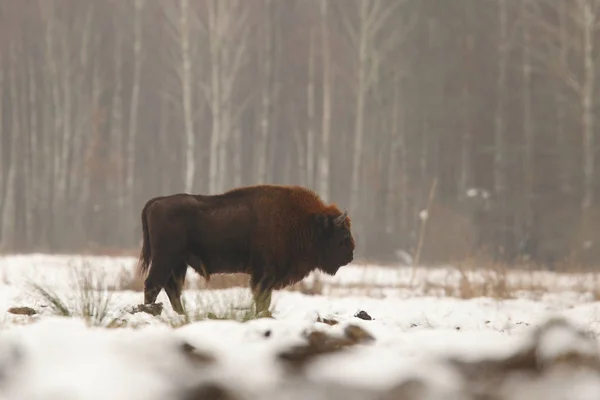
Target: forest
448,129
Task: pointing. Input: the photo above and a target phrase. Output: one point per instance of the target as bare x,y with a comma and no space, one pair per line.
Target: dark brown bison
276,234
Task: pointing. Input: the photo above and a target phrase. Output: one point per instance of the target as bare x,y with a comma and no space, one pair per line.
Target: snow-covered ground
416,326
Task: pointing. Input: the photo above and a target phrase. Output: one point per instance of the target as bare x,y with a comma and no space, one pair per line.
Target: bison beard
276,234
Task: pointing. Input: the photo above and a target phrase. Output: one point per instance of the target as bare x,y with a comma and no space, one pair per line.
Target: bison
276,234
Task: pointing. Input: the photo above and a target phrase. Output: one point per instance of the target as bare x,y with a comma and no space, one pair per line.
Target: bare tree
117,186
8,223
324,161
227,37
268,77
310,106
558,45
186,83
500,183
528,128
372,17
134,106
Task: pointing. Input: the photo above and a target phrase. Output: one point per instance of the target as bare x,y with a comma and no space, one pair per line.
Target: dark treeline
488,106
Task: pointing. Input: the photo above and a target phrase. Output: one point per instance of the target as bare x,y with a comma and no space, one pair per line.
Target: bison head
335,242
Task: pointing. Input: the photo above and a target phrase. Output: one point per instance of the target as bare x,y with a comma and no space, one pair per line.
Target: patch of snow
414,330
560,339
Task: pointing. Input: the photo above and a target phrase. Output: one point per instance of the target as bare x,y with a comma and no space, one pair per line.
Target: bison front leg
262,289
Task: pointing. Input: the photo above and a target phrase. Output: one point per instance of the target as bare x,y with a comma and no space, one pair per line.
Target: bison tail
145,254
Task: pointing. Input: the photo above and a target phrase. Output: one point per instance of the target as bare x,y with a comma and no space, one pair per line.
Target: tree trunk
8,212
214,11
394,143
266,90
310,106
565,169
528,127
324,162
117,184
467,134
499,121
186,81
36,187
133,122
361,94
587,102
2,162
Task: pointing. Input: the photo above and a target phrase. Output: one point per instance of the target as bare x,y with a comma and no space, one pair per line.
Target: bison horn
339,220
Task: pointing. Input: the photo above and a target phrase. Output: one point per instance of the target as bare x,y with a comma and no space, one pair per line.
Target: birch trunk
394,143
214,10
499,121
67,132
360,107
36,187
587,102
237,157
82,147
323,181
565,174
2,162
528,128
186,81
133,115
267,69
117,185
25,185
404,182
8,212
310,131
51,61
467,134
164,181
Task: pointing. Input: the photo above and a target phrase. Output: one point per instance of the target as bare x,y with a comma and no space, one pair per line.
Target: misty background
482,112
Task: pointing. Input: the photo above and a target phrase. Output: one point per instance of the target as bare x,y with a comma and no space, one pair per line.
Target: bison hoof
264,314
154,309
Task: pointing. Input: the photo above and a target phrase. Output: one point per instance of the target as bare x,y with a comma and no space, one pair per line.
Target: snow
417,326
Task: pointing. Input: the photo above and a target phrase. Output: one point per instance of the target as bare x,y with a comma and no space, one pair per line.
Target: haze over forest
372,103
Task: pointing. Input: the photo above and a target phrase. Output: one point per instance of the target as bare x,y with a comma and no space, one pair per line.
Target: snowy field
434,334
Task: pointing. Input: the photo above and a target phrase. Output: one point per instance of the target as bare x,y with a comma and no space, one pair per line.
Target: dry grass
92,301
469,279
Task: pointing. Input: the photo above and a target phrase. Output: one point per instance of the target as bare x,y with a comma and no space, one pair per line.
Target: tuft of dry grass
92,300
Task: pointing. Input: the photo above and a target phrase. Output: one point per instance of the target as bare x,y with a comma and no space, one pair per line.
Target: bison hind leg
174,287
159,274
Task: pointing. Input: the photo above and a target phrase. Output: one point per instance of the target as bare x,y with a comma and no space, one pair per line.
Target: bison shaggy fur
276,234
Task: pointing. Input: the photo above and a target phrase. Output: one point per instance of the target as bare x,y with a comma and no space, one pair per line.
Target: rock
356,334
152,309
363,315
328,321
22,311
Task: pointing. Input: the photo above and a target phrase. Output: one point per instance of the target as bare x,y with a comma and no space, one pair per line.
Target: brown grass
474,280
475,276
